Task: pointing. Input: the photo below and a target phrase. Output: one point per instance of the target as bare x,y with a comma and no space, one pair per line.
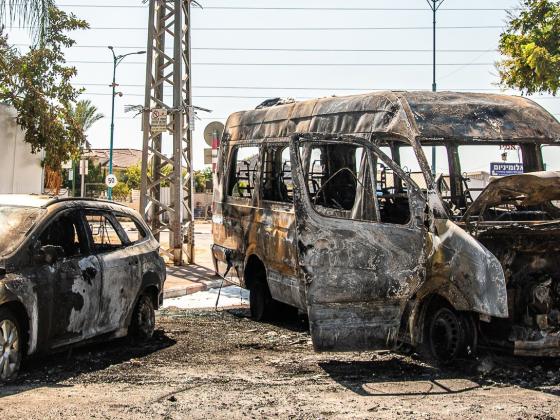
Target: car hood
528,189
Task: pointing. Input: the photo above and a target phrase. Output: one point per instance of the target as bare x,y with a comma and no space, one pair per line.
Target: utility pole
169,74
117,59
434,5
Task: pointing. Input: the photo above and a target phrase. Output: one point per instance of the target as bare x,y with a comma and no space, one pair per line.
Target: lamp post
434,5
117,59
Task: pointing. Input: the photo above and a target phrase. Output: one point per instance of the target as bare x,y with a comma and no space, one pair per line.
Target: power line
335,9
339,28
137,117
361,89
268,97
296,49
298,64
195,96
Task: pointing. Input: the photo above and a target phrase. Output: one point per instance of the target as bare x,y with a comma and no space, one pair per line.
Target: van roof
432,117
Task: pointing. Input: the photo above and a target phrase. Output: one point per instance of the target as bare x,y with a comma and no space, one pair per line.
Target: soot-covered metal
375,257
73,270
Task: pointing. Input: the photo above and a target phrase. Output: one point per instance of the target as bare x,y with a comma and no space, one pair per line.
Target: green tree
32,13
531,45
85,115
121,192
132,177
37,84
200,179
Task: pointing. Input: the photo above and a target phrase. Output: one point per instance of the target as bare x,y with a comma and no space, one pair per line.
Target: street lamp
434,5
117,59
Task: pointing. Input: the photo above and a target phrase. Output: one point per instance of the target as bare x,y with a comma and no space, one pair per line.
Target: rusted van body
313,209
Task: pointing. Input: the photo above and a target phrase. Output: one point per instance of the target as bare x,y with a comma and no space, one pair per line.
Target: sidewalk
198,277
194,278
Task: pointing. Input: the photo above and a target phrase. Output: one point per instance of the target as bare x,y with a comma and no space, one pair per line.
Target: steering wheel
329,180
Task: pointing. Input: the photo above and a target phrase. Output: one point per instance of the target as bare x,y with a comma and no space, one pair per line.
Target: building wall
20,170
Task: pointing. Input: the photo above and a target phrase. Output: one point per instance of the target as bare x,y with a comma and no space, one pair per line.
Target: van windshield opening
493,192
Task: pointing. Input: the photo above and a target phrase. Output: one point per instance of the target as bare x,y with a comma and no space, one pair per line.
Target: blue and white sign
505,168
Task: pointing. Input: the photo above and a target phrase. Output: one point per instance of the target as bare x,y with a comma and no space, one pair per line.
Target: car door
119,267
359,271
76,280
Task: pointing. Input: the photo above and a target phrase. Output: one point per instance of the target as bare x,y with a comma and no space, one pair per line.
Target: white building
20,170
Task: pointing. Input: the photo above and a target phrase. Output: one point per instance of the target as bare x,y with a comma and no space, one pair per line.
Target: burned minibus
314,209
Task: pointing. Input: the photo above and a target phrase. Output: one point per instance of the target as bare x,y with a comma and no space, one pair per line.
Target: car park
73,271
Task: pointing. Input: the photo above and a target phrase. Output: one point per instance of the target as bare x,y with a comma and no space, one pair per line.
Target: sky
395,58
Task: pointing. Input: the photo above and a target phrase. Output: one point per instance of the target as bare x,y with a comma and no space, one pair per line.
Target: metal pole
176,190
434,84
151,150
434,5
117,59
188,187
109,189
73,178
83,178
169,19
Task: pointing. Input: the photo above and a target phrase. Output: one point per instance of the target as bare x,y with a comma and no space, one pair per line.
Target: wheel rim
9,348
146,319
445,335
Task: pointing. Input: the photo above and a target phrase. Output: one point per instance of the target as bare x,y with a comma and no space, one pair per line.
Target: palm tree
32,13
85,114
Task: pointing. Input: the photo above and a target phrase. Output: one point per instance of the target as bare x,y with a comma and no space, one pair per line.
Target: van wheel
143,320
10,345
446,335
261,302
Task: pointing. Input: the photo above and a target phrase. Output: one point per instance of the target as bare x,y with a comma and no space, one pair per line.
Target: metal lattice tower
168,86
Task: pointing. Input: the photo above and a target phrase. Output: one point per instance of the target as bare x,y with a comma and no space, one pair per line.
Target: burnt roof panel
434,116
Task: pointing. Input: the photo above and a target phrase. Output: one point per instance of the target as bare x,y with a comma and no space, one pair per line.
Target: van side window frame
276,147
232,166
374,151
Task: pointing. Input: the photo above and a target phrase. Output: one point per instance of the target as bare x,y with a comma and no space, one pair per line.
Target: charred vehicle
314,209
73,271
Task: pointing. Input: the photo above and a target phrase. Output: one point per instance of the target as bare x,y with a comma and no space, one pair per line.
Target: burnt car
71,271
314,208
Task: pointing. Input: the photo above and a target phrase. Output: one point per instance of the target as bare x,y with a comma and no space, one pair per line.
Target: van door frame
276,237
238,226
357,304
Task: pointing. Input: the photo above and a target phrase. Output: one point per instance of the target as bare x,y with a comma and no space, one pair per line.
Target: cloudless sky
229,88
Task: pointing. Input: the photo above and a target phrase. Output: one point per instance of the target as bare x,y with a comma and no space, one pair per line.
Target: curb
191,288
183,291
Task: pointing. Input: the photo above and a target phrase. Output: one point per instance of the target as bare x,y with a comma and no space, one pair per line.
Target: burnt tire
143,320
11,345
261,302
446,335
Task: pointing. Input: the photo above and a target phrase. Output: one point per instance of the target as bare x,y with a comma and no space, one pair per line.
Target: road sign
159,121
212,132
111,181
84,167
505,168
207,156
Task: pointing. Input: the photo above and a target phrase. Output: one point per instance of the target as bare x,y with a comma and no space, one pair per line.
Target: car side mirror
49,254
